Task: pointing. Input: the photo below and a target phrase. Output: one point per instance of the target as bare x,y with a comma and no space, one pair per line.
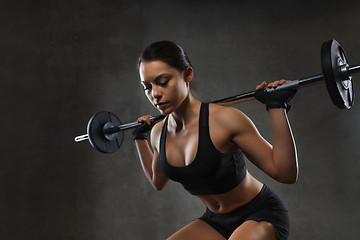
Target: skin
230,131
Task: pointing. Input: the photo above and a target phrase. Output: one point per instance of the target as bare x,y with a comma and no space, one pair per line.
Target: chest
195,162
182,147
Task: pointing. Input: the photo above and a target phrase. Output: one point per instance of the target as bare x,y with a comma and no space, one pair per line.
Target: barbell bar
105,131
294,84
109,129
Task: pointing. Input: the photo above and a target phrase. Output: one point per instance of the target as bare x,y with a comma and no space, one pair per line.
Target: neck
186,112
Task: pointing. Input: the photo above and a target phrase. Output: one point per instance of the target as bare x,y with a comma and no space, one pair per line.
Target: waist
241,195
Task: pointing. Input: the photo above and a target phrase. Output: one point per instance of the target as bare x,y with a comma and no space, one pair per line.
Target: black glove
275,99
142,131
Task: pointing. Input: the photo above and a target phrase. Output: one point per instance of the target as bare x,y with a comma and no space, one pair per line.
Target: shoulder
235,125
218,109
229,117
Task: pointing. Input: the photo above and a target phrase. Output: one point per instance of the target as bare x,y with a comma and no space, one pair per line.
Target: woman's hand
142,131
149,157
275,99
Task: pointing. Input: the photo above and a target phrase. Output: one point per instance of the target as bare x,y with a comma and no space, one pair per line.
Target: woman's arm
278,160
150,160
284,152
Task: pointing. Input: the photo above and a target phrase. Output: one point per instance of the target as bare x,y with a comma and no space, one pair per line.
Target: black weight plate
340,86
96,135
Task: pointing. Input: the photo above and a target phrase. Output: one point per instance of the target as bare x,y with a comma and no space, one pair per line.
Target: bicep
159,178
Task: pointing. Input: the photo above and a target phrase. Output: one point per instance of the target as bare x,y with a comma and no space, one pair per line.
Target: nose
156,92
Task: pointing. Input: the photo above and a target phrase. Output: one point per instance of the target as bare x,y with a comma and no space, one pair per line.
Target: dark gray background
63,61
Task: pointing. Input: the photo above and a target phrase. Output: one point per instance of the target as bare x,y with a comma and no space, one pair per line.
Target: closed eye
164,83
162,80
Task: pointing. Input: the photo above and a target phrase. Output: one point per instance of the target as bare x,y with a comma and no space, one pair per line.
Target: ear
188,74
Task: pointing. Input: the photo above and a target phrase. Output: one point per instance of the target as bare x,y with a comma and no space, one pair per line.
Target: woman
202,146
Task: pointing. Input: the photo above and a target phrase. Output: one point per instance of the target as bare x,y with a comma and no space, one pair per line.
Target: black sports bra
211,172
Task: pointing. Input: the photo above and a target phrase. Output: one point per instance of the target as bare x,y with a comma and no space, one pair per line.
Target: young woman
202,146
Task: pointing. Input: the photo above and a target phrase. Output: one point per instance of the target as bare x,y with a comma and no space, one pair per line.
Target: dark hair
168,52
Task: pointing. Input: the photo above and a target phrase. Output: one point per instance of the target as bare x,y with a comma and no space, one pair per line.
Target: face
165,87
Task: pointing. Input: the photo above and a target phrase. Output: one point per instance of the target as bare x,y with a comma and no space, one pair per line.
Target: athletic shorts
266,206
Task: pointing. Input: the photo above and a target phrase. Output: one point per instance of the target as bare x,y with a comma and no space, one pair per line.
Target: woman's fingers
277,83
272,84
145,118
261,85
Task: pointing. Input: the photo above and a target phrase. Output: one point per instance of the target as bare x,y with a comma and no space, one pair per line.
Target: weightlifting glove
142,131
275,99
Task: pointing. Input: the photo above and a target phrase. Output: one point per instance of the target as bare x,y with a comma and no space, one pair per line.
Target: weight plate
339,84
96,135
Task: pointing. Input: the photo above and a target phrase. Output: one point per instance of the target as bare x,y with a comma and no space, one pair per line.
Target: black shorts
266,206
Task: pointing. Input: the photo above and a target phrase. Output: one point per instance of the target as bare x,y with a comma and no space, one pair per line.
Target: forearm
284,150
146,157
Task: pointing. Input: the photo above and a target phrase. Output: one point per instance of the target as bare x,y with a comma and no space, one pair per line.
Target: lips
161,105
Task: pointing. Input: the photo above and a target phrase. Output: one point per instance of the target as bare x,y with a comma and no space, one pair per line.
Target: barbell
105,131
